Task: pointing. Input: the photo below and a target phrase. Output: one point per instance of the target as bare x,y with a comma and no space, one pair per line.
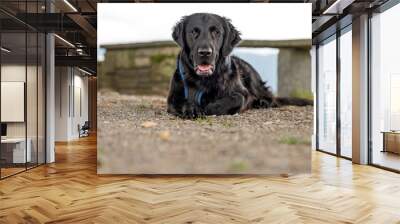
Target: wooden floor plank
70,191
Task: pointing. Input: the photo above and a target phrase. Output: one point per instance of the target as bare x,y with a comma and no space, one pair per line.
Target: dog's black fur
230,84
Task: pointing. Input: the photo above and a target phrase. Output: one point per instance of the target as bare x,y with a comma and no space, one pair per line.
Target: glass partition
346,93
14,153
33,72
385,89
22,77
327,95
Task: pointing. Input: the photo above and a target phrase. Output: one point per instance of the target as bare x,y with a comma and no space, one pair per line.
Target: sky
144,22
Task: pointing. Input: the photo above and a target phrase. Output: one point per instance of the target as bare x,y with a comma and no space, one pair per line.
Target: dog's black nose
204,52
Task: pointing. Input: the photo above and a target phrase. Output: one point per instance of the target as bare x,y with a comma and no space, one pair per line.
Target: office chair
84,130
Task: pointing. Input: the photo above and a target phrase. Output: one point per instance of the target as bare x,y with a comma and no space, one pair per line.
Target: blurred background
136,57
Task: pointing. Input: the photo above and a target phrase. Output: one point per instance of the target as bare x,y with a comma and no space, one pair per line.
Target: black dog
208,81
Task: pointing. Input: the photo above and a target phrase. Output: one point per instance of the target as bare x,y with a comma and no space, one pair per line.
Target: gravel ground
137,136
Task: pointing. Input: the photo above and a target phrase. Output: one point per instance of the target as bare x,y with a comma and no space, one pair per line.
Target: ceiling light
65,41
84,71
338,6
5,50
70,5
333,6
79,51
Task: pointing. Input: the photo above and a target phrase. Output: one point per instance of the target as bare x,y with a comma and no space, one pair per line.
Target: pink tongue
204,67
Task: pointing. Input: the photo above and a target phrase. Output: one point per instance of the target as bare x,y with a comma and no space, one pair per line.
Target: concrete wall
147,69
138,71
294,73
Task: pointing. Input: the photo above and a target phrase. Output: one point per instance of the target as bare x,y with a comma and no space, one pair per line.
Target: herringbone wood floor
69,191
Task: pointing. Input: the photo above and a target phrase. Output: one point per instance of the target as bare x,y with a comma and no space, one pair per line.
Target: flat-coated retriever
208,80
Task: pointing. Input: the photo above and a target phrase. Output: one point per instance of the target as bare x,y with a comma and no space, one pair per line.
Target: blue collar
197,94
181,72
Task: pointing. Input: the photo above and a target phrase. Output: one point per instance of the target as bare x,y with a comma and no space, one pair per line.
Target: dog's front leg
184,101
192,108
230,104
183,107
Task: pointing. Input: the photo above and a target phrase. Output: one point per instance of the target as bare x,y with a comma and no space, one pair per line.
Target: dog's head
205,38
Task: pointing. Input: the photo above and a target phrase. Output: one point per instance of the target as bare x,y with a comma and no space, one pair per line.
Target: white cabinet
18,149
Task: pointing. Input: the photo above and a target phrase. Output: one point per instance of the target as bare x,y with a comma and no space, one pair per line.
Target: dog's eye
195,32
214,31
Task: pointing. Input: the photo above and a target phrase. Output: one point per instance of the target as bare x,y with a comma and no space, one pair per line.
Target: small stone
165,135
149,124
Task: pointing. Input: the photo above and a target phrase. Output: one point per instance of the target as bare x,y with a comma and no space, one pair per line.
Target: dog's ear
231,37
178,32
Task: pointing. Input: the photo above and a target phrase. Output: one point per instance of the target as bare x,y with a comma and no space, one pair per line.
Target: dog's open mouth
204,69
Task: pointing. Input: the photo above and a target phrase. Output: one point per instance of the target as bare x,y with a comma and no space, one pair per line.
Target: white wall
62,82
70,83
15,73
80,85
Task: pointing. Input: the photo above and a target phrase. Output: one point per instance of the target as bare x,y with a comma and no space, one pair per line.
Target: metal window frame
325,36
340,33
341,29
326,40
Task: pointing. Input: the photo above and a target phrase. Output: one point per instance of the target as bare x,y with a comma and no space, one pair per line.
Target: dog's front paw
215,109
267,103
191,111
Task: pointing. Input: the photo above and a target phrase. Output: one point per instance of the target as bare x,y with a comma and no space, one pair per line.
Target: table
17,150
391,141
